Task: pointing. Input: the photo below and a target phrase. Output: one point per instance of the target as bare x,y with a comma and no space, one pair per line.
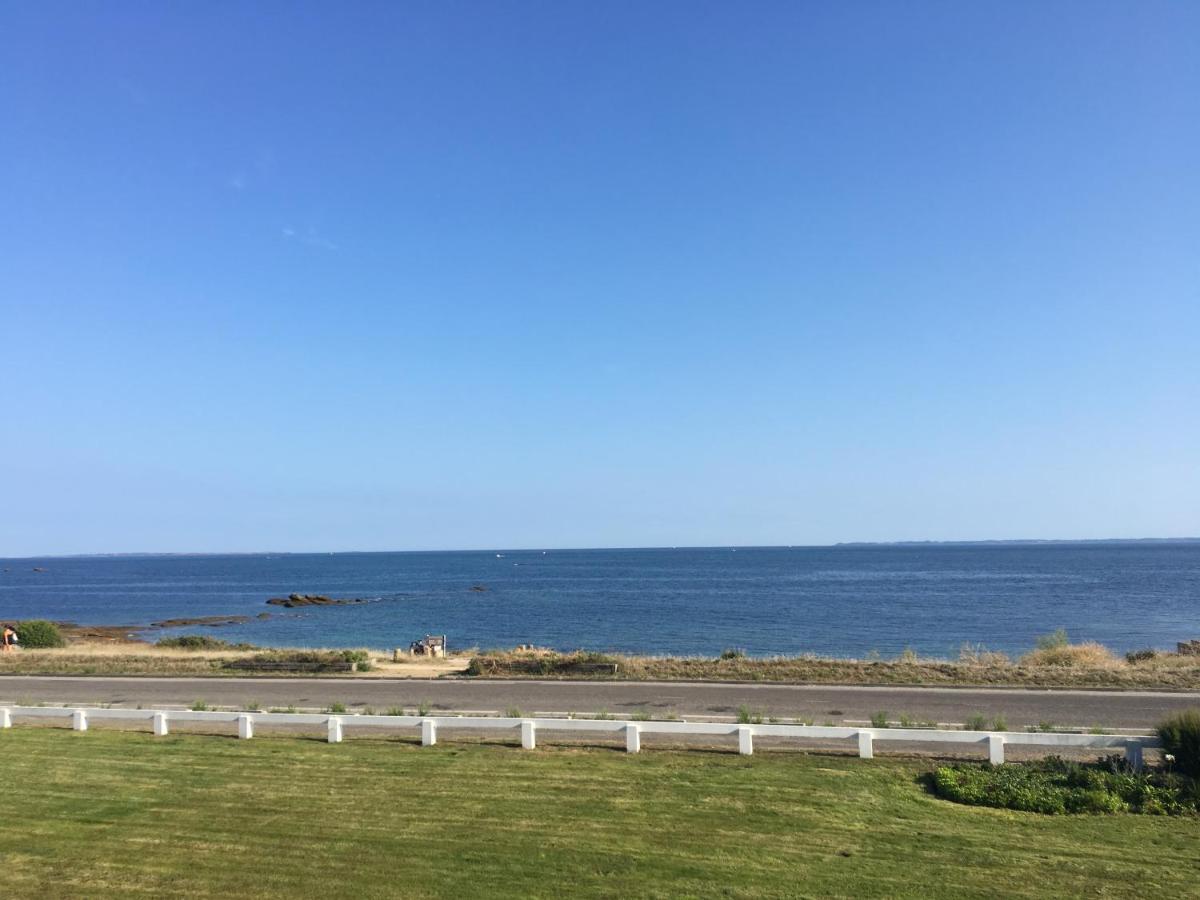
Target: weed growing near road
975,722
337,707
198,706
879,719
747,716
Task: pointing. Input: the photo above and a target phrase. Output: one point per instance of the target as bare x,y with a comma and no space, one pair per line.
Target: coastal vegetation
88,814
1053,664
37,634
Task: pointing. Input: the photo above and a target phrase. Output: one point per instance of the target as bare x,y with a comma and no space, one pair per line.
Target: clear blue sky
361,275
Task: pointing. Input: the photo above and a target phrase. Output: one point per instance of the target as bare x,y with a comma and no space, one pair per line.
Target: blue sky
331,276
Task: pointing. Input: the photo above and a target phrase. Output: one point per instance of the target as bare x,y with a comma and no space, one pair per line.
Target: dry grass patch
1088,655
1070,665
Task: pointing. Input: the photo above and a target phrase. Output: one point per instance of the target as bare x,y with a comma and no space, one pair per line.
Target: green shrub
337,707
1000,723
1180,735
1136,656
38,634
1052,641
879,719
513,712
199,706
1057,787
733,653
975,722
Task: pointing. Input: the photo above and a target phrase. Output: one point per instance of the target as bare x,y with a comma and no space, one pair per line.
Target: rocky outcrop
293,600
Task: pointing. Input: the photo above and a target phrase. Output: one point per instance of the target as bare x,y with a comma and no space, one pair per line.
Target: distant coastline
995,542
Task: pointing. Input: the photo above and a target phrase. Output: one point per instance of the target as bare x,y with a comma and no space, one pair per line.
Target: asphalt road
1115,709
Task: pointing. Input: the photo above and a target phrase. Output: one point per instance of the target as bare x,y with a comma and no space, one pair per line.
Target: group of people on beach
10,638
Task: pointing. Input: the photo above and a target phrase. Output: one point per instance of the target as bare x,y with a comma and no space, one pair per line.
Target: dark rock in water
38,569
292,600
210,621
263,616
479,588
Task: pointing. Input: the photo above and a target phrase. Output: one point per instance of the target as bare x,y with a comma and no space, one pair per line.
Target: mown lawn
111,813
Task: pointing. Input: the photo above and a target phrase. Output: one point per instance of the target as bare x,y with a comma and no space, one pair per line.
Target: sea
851,600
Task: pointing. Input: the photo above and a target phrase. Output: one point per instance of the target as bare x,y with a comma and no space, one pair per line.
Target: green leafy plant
199,706
975,722
1000,723
38,634
424,708
879,719
337,707
733,653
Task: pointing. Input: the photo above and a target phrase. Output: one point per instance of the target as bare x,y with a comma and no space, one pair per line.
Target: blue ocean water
845,601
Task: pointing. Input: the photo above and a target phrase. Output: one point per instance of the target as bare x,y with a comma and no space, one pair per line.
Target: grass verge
1074,666
111,813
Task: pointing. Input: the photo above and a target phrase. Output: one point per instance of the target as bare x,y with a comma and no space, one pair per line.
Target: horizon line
612,548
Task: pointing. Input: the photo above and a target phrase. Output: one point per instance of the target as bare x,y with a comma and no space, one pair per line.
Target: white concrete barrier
633,738
993,743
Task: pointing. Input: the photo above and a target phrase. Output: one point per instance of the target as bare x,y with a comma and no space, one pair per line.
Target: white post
79,720
335,730
5,718
160,724
995,749
745,741
528,735
1133,753
428,732
633,738
866,745
245,727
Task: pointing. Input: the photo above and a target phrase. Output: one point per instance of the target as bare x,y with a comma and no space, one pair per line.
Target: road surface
787,702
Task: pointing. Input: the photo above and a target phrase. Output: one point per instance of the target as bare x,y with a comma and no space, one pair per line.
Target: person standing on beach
10,638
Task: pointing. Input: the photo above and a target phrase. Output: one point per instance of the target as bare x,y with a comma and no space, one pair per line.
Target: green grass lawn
111,813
